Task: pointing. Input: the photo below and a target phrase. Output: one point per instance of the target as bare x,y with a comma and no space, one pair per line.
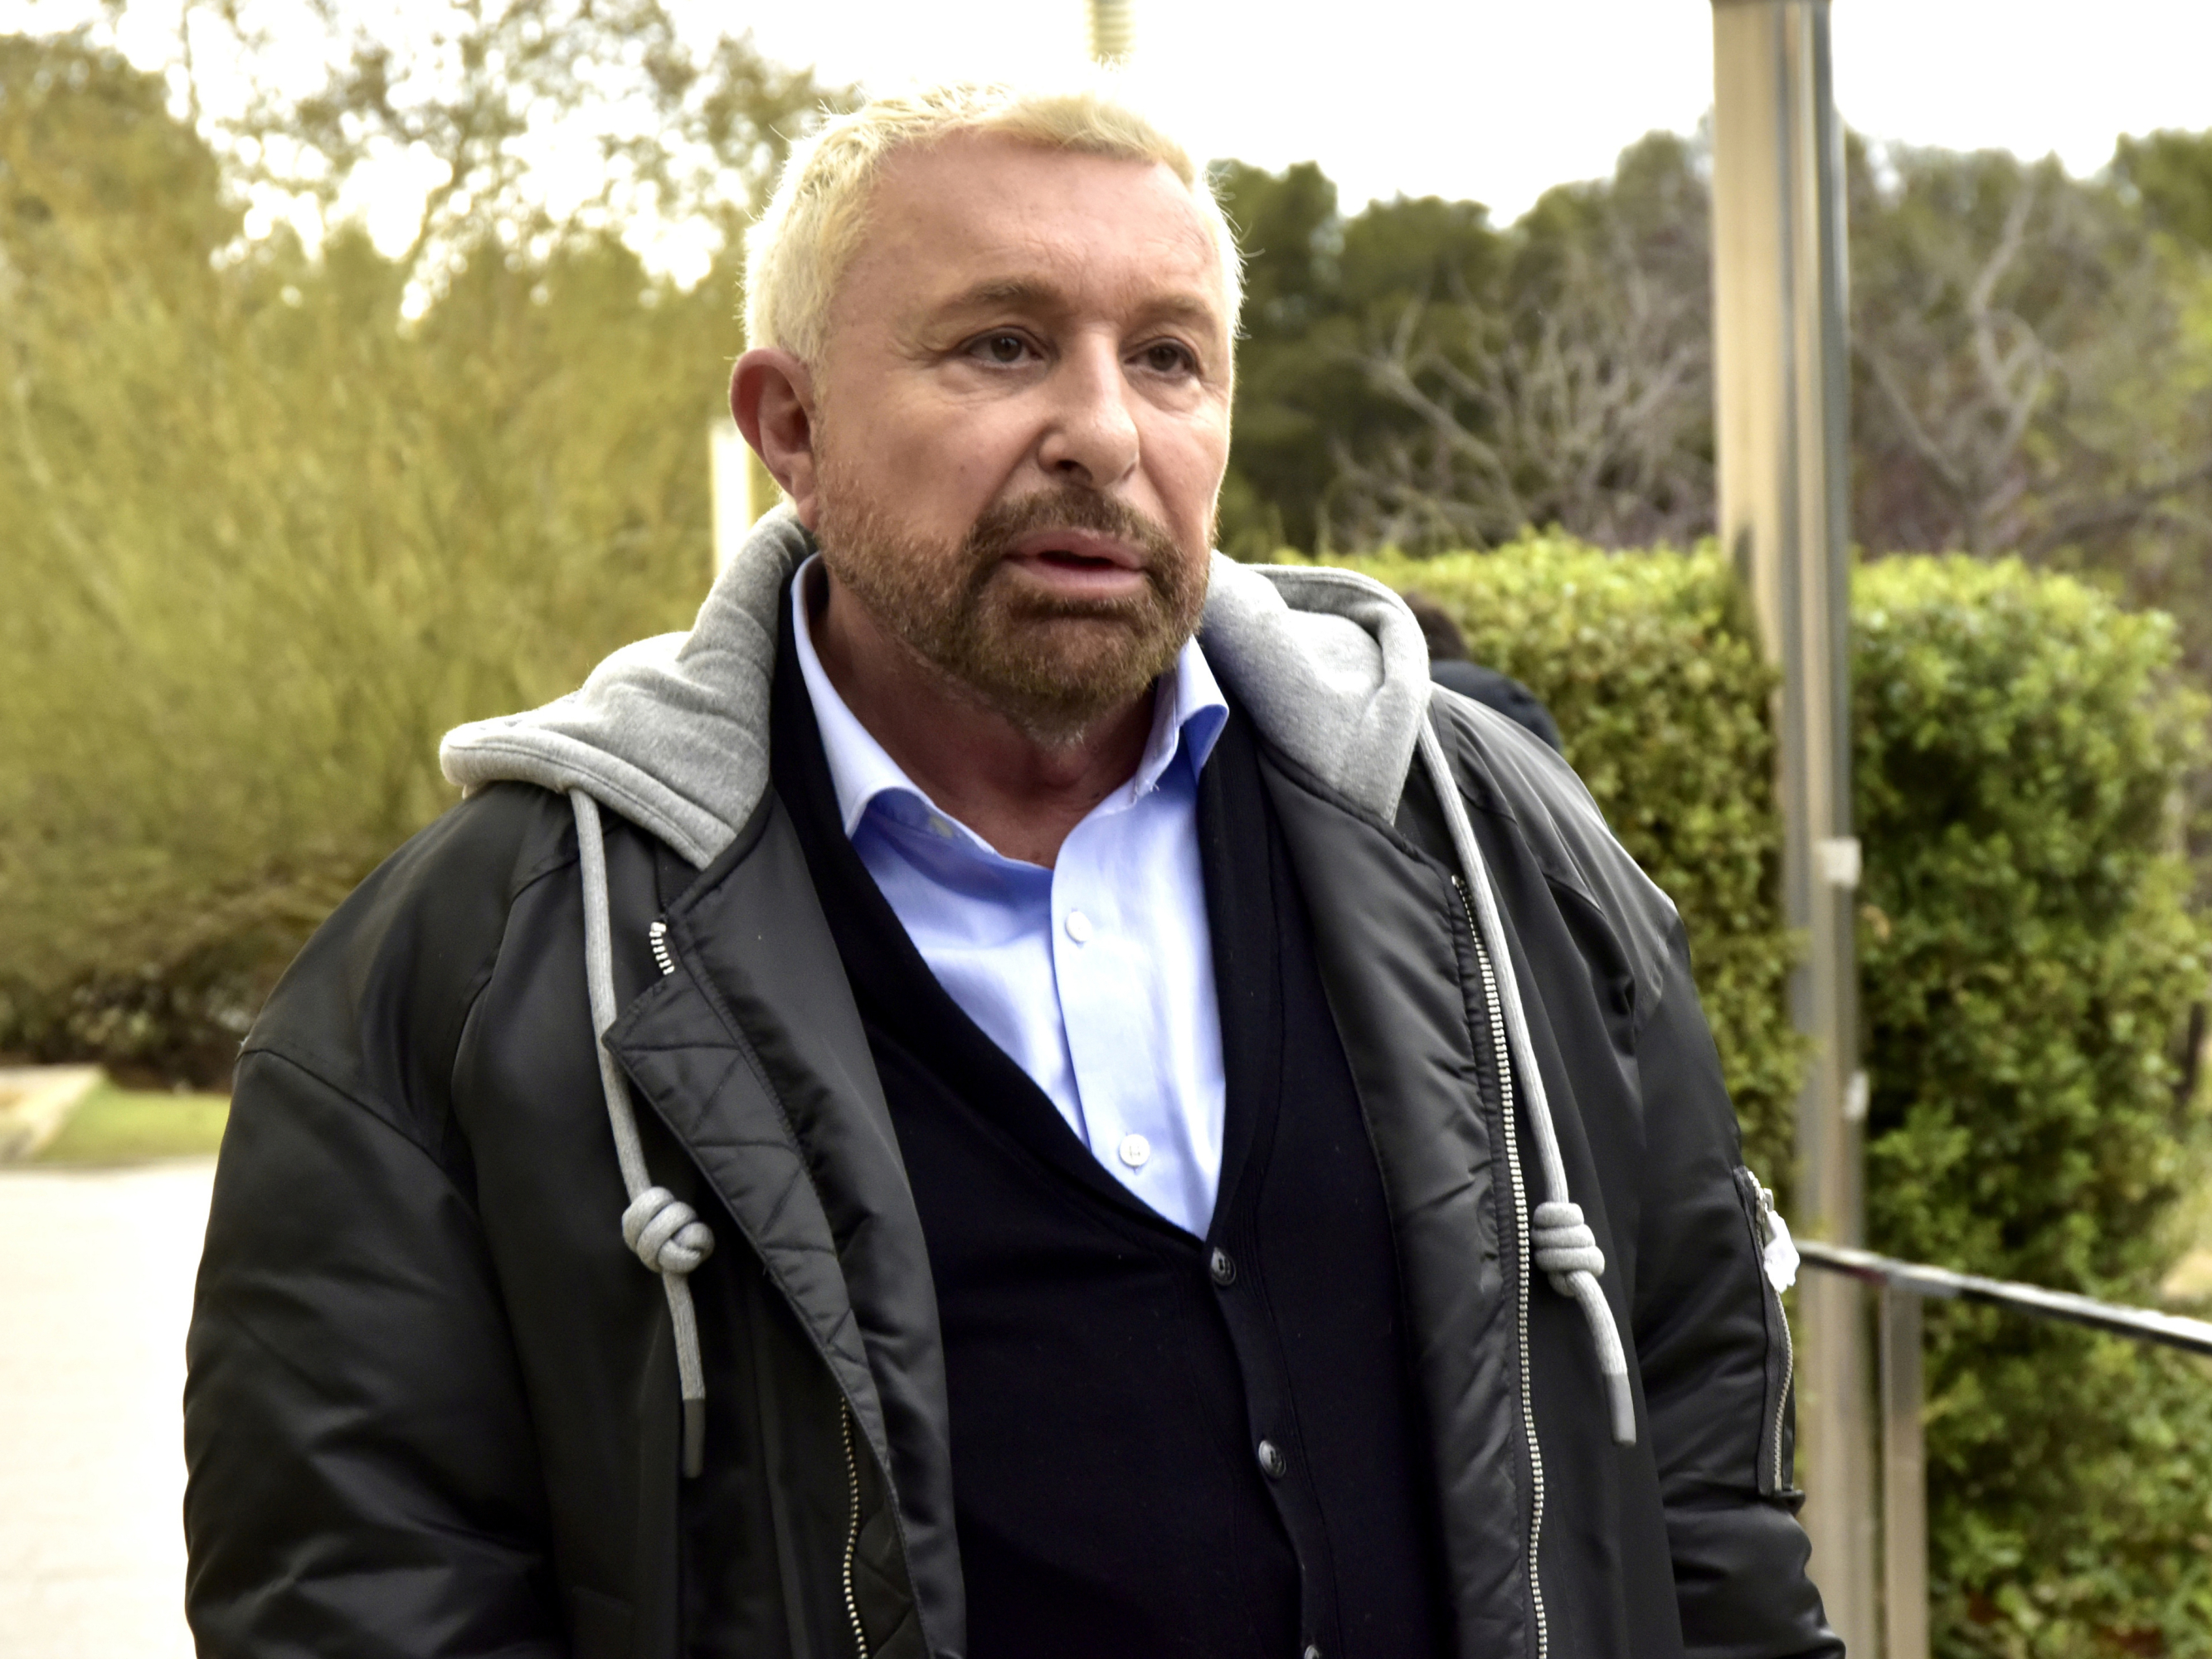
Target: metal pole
1781,385
1904,1479
1112,33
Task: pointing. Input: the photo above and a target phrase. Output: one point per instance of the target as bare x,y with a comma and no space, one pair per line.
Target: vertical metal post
1904,1480
1112,33
1781,393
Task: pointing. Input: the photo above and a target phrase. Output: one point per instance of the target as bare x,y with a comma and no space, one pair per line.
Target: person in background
1451,667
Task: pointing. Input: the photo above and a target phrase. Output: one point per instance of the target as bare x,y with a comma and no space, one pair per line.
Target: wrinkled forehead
978,214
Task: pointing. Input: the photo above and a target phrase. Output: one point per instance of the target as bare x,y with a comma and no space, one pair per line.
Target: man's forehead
977,219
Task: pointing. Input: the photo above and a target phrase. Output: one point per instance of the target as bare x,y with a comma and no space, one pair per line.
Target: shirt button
941,828
1134,1150
1078,926
1273,1463
1222,1267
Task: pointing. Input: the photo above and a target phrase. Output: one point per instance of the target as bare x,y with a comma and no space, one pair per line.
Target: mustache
1069,507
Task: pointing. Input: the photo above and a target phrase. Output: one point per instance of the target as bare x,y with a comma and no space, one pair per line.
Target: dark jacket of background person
1449,667
431,1405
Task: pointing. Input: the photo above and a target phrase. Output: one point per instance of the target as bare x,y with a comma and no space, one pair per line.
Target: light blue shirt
1096,975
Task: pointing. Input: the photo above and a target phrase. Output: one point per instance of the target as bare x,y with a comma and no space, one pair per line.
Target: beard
1052,665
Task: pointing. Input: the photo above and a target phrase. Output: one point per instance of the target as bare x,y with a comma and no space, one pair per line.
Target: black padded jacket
433,1401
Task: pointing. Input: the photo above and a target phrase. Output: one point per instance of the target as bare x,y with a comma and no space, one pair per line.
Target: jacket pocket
1777,1457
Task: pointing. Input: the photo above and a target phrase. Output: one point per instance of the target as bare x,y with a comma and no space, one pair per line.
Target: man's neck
1021,796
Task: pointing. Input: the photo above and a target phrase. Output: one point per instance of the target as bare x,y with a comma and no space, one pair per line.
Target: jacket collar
672,733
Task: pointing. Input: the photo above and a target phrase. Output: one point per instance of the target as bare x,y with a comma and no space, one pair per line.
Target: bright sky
1490,99
1496,100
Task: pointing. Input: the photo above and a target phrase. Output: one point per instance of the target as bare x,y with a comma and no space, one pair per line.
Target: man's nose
1093,435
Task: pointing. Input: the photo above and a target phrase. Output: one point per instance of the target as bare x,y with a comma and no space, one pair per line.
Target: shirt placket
1098,974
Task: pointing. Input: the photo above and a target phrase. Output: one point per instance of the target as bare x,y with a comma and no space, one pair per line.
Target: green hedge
2030,962
2029,966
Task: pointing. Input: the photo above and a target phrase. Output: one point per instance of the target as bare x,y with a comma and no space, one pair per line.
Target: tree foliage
2171,174
538,121
1320,291
265,539
2031,365
2029,966
2029,381
1414,378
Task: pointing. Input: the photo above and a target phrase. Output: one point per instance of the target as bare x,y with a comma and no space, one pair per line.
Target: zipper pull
659,934
1780,1255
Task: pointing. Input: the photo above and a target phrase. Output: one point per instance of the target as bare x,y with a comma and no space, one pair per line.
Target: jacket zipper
852,1529
1505,1059
1789,1347
659,934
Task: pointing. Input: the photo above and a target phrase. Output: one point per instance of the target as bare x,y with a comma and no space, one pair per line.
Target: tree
2171,174
682,139
1293,380
1578,397
1413,376
2029,376
266,538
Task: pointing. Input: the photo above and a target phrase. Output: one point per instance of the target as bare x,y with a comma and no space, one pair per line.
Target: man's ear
771,396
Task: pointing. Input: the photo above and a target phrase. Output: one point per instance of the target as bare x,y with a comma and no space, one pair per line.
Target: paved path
95,1286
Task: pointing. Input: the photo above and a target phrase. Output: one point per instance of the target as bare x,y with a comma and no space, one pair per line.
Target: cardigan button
1273,1463
1223,1268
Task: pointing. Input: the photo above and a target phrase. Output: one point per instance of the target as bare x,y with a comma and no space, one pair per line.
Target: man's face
1022,422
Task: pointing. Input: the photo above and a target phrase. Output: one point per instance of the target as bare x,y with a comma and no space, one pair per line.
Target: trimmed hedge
2026,943
2029,967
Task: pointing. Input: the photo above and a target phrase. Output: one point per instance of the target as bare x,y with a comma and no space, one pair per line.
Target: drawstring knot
1560,1242
666,1232
1563,1244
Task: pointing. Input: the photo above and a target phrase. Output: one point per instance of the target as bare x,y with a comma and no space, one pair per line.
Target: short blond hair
800,248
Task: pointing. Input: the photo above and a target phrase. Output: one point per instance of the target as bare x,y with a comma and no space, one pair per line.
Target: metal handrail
1903,1286
2175,1331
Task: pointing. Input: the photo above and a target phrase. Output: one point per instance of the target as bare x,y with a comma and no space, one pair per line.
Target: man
1451,668
1020,1090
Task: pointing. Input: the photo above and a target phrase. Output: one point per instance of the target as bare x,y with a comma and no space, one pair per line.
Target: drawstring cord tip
695,1438
1623,1410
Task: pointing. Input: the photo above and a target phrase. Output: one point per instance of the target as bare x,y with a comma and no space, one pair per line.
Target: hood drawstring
669,1238
664,1232
1565,1248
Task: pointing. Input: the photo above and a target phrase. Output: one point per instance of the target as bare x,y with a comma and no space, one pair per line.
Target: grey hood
672,733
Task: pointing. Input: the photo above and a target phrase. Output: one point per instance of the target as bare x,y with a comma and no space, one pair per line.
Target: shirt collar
1188,712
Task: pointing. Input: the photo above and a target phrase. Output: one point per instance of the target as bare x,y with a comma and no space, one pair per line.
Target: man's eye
1002,348
1166,357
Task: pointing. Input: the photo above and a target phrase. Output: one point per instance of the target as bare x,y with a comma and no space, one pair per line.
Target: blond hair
799,250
